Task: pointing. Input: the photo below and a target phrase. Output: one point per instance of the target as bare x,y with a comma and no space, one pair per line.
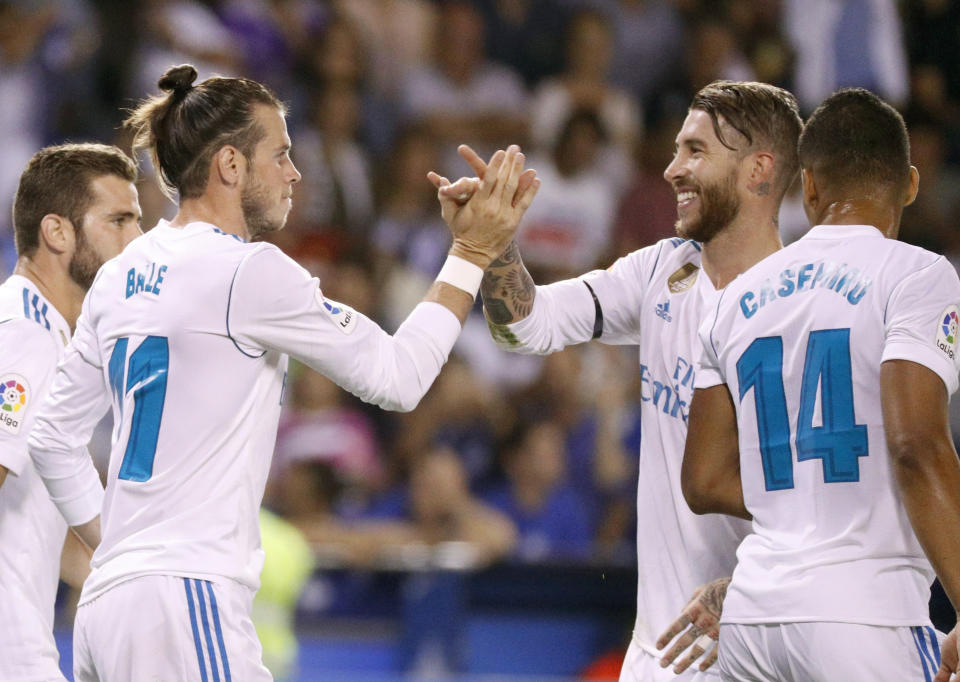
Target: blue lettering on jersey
672,397
148,281
839,278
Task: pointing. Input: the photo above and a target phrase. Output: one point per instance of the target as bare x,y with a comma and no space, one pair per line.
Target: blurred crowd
515,457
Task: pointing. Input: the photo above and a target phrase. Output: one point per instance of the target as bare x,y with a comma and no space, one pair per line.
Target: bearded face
85,261
714,205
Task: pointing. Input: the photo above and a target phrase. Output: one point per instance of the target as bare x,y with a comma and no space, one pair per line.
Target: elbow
912,453
696,493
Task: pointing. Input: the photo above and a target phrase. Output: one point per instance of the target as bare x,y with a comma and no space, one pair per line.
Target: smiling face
704,174
267,196
111,222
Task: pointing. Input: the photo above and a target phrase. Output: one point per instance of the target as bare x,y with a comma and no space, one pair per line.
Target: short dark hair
57,180
186,127
766,116
854,139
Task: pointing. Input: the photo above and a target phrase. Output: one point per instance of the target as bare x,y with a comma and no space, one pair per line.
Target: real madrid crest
683,278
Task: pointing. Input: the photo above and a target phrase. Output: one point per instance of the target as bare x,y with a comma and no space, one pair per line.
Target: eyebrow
691,142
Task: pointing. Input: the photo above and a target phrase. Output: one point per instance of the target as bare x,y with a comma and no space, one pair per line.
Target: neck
743,243
224,212
53,281
882,215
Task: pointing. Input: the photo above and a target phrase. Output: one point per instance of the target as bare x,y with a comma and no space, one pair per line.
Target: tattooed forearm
507,289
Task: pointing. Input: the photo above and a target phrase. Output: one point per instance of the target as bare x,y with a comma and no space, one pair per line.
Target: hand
702,614
949,657
483,212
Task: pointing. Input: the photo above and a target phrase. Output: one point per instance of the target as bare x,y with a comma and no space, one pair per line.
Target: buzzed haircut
765,116
57,181
184,128
855,139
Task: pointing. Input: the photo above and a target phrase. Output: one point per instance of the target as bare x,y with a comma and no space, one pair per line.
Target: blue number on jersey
761,368
839,441
148,371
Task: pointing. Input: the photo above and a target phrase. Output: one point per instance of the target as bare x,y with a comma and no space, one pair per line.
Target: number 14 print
839,442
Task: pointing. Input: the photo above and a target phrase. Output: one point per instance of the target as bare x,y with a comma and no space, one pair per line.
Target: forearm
930,490
75,560
507,289
3,474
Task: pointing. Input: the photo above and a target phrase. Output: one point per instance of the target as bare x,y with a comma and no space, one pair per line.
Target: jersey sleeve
29,360
276,304
78,399
709,370
923,321
603,305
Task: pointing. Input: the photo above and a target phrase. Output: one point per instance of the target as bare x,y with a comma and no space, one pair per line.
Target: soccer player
821,412
735,158
188,334
75,207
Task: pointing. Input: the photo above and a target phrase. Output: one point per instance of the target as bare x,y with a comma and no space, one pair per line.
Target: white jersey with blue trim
33,335
653,298
187,333
799,340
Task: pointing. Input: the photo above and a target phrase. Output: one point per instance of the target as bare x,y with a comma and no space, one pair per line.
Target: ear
811,196
229,165
913,187
762,167
57,233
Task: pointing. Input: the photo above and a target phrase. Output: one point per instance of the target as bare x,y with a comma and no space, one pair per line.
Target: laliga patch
15,394
683,278
947,331
343,316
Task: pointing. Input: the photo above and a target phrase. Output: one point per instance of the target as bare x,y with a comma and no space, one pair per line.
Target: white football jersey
187,333
32,338
799,340
652,298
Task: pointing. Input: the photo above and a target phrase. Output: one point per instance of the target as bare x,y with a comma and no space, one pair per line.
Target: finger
513,180
523,184
504,172
461,190
437,180
524,204
685,662
489,181
710,659
471,157
676,627
681,645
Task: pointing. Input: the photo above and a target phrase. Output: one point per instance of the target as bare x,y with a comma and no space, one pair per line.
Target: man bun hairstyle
855,140
57,181
185,127
764,116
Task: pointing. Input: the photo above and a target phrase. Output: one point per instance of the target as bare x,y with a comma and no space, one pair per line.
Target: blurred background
489,534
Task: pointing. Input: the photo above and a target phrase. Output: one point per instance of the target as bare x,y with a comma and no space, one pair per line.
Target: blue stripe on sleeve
206,630
196,632
216,625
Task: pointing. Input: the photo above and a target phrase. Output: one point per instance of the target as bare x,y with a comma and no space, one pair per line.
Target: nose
672,170
294,175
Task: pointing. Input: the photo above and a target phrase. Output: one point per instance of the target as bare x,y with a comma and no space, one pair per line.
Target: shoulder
25,340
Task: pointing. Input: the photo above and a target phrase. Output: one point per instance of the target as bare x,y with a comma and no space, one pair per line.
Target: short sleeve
709,372
922,321
28,363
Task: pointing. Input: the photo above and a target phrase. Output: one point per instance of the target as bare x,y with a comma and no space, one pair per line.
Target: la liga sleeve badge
948,331
15,395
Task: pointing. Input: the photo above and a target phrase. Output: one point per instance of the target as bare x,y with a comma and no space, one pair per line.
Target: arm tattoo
507,289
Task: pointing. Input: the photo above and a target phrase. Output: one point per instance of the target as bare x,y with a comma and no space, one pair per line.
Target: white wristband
462,274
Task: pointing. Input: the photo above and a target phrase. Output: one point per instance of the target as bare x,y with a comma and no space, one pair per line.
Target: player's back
195,415
800,339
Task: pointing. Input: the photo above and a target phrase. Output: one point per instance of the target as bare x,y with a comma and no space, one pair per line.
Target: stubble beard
255,204
85,262
719,206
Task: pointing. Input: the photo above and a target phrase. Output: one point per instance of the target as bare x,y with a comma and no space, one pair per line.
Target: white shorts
161,627
826,652
641,666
